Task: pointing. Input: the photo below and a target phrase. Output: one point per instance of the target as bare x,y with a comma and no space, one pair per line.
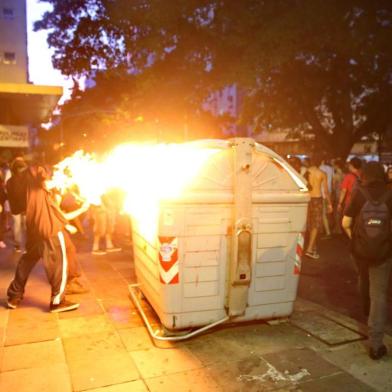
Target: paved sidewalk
103,346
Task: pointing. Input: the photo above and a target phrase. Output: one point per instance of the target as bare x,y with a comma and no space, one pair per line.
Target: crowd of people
331,183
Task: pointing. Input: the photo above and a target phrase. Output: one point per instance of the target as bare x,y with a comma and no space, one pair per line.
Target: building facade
23,105
13,42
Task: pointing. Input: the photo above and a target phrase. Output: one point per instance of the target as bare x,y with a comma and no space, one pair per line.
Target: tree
337,88
319,68
111,112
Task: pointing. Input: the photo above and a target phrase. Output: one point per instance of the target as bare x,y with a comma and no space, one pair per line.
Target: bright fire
146,174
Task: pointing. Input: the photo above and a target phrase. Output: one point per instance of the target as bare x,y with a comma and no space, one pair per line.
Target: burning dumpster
229,246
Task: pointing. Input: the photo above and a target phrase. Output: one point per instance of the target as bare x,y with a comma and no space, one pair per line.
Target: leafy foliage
319,68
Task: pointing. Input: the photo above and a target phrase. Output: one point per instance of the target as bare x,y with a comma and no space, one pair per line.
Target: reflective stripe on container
298,254
168,260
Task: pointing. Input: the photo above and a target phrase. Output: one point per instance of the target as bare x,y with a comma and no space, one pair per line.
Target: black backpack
17,193
372,229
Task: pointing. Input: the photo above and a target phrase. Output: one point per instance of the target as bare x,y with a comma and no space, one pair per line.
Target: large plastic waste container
230,246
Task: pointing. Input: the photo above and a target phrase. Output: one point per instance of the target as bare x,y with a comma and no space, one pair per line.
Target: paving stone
124,269
117,306
297,360
323,328
28,325
98,270
4,311
2,336
125,318
240,341
302,305
339,382
123,265
92,263
134,386
98,359
129,276
92,346
136,339
213,349
192,381
49,378
32,355
3,317
354,359
260,338
110,288
84,325
157,362
99,371
88,307
248,374
99,275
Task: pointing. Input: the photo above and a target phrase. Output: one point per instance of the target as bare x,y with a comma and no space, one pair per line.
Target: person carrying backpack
367,222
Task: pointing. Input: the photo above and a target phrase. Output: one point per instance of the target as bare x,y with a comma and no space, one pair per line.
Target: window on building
9,58
8,13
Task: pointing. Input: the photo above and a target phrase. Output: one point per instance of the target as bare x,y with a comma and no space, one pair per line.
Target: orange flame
147,174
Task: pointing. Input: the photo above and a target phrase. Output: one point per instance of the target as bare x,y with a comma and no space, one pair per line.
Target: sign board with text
14,136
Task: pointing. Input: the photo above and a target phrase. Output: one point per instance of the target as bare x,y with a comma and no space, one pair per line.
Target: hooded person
46,238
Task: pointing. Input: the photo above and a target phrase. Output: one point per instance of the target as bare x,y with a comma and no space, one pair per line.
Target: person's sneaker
17,249
114,249
63,306
379,353
313,255
98,252
75,287
13,303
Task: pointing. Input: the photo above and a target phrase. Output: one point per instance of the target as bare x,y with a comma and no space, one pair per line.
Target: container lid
272,177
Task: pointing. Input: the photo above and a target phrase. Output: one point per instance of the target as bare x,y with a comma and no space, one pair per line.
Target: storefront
23,107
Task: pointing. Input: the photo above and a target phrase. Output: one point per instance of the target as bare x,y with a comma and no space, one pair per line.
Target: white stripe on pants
57,298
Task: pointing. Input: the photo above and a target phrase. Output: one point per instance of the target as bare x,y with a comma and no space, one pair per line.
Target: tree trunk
337,145
342,146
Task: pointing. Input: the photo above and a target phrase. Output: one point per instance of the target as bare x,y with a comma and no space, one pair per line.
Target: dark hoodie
43,217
